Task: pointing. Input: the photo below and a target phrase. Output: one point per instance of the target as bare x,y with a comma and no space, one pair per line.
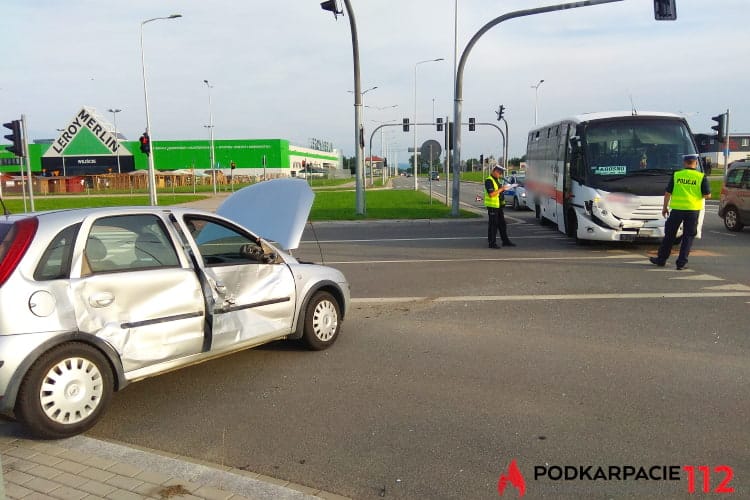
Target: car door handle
220,287
102,299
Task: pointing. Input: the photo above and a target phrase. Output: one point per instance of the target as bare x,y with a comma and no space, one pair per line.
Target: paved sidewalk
81,468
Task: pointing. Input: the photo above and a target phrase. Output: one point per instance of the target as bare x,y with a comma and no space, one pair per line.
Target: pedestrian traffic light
472,124
16,146
500,112
406,125
720,127
439,123
332,6
665,10
145,141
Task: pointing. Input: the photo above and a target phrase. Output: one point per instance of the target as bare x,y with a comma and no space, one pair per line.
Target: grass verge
381,204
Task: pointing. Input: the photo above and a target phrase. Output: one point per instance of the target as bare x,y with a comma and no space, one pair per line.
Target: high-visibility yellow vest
686,193
489,201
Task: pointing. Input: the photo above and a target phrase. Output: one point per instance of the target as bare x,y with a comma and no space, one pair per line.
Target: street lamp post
114,119
362,125
536,99
416,186
210,126
151,167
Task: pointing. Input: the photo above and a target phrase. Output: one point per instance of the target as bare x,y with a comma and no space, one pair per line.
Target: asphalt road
456,359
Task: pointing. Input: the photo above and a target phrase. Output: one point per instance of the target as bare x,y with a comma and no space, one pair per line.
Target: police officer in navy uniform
493,200
684,194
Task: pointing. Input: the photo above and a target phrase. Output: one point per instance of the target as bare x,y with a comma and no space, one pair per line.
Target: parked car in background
93,299
734,202
516,197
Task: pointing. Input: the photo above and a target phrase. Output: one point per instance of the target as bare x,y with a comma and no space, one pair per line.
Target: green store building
88,146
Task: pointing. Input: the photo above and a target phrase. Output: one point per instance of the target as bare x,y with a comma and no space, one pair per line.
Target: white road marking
487,259
441,238
737,287
699,277
525,298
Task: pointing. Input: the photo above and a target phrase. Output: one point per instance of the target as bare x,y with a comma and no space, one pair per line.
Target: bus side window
577,171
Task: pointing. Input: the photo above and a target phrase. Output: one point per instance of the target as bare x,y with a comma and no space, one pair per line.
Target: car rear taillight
14,246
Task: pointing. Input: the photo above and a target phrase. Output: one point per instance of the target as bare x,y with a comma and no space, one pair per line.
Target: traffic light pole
458,100
726,149
27,162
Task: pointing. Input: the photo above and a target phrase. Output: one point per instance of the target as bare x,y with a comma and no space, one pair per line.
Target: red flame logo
514,477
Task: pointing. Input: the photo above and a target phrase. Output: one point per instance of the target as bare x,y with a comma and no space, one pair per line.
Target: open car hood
276,210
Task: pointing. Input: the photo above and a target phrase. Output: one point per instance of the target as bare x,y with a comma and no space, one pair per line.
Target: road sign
430,150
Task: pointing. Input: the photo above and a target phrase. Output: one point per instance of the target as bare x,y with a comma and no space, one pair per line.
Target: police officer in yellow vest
684,194
493,200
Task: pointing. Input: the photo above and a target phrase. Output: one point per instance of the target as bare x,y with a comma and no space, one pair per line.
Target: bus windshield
627,148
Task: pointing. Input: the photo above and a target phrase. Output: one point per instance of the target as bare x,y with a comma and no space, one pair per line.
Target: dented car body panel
153,289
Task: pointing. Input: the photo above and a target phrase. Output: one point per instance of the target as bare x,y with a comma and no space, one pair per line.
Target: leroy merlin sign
91,133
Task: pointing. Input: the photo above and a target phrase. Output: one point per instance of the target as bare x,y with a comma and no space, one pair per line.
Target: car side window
746,179
734,178
56,259
220,244
128,243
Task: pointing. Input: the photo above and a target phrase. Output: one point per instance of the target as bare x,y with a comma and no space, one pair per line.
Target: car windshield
633,147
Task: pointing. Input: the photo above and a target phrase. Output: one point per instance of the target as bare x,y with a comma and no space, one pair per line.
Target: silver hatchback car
93,299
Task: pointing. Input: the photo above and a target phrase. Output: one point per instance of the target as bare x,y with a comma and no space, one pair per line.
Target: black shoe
494,245
680,267
508,244
655,260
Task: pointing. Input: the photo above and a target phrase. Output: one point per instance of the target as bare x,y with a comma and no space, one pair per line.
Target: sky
283,68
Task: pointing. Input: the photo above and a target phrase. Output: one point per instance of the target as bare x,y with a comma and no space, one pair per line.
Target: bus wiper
651,171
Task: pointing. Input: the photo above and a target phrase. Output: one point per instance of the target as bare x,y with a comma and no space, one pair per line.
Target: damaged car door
137,293
254,290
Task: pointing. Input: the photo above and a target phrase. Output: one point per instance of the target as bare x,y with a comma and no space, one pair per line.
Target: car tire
322,321
65,391
732,219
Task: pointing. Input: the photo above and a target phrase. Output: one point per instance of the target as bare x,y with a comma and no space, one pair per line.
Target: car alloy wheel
732,219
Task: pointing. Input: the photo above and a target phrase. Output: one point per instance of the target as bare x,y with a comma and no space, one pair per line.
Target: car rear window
57,257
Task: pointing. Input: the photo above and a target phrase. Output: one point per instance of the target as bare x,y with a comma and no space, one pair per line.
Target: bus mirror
575,143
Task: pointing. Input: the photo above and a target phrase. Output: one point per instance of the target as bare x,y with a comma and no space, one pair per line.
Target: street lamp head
114,110
439,59
174,16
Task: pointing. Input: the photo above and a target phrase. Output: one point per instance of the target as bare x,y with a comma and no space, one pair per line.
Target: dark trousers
496,222
689,221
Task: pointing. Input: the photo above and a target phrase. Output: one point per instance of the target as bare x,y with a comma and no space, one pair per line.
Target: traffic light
406,125
665,10
450,135
472,124
500,112
14,137
145,141
720,127
232,165
332,6
481,160
439,124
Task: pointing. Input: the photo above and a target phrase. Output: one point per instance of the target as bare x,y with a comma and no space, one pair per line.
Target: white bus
602,176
